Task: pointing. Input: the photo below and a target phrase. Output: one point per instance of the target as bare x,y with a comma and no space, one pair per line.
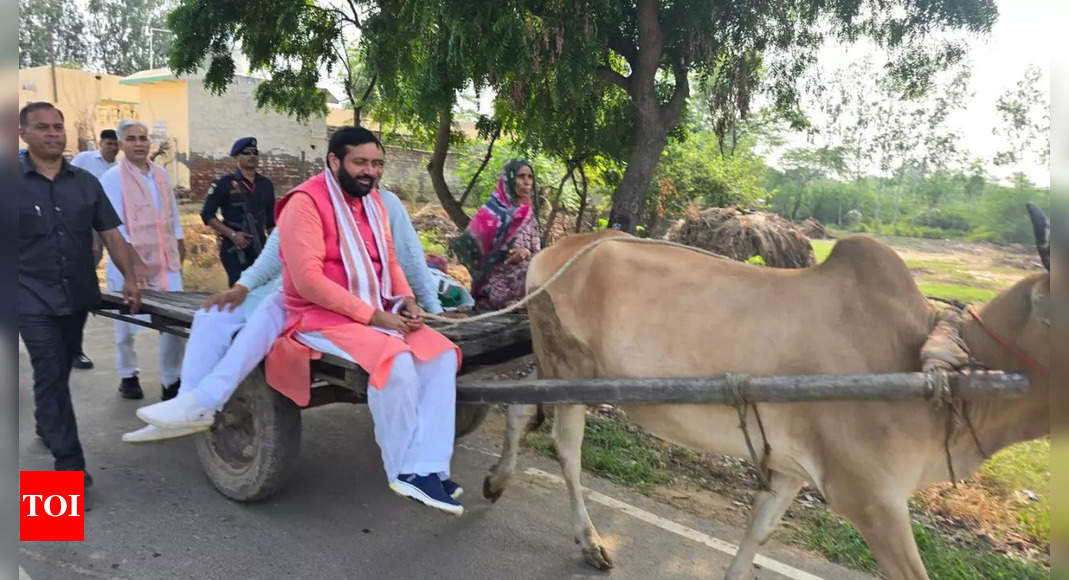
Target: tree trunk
653,120
582,201
436,169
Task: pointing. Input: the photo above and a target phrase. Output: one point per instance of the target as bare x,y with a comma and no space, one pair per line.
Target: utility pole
152,45
52,64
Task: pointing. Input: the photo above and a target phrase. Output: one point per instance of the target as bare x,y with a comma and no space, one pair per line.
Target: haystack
814,230
741,235
433,222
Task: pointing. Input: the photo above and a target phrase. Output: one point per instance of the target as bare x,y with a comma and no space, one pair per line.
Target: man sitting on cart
345,294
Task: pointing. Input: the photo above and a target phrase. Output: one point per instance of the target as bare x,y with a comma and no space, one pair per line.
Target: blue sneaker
452,488
427,490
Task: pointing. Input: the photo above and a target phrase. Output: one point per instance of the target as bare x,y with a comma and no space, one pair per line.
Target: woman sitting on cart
346,295
501,239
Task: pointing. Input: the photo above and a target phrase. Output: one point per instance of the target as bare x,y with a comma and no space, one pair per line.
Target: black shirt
56,220
238,198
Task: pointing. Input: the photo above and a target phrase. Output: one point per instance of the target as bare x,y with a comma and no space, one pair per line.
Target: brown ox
628,310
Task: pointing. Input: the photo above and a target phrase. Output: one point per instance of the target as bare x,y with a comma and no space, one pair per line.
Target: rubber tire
252,449
469,417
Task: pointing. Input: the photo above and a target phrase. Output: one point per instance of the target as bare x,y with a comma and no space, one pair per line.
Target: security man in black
247,201
59,206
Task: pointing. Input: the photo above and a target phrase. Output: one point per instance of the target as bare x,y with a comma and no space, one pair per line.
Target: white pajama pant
171,348
217,359
414,415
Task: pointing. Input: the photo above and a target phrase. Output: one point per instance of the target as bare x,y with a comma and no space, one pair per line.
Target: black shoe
88,479
82,362
170,392
130,388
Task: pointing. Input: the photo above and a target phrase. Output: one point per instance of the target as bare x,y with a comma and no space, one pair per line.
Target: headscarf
485,242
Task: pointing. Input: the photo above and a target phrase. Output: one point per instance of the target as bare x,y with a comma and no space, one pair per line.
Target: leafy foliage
52,29
125,37
289,41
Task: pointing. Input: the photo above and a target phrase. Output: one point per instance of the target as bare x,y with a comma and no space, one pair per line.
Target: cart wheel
252,447
469,417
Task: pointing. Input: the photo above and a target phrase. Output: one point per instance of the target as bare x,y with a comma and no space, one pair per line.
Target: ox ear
1041,229
1041,300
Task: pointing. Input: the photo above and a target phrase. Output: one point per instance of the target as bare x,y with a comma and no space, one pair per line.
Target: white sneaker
152,433
181,411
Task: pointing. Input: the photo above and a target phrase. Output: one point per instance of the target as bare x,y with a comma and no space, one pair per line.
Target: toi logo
51,506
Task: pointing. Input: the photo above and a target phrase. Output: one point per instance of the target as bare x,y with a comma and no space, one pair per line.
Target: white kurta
113,189
171,346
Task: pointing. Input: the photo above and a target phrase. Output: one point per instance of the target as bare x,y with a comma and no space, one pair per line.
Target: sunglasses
249,151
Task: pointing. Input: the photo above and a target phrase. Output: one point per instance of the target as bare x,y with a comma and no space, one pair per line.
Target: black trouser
232,265
53,342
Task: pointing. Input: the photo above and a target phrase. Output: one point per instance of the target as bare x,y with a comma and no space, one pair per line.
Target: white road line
679,529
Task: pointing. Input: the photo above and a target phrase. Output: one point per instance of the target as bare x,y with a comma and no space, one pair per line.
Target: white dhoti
414,414
217,359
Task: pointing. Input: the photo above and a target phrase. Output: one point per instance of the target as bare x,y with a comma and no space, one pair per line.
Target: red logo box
51,506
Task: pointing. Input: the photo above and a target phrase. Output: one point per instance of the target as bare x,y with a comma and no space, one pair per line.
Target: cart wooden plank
172,312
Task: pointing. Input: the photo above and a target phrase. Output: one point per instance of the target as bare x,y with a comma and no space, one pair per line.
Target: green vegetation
431,244
1025,466
822,248
840,542
965,294
617,451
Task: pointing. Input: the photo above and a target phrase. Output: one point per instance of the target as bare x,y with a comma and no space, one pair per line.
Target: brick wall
285,171
290,151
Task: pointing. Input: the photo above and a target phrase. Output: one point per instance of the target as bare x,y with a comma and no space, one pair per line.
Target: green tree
648,49
291,42
550,61
1024,120
52,31
129,35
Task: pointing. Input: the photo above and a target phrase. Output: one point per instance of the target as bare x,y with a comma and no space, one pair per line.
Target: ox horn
1041,228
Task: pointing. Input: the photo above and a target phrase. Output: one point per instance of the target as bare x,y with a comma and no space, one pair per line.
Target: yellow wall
90,102
164,109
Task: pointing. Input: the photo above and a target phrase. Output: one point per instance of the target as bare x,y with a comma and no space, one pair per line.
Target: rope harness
560,272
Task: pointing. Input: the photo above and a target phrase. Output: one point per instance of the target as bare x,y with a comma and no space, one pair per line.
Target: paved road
153,514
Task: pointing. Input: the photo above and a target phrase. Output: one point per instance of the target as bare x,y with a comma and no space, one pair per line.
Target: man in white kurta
133,141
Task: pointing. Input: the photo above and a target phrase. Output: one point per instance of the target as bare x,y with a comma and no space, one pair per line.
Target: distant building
200,127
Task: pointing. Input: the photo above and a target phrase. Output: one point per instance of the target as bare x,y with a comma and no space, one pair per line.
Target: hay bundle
814,230
432,222
741,235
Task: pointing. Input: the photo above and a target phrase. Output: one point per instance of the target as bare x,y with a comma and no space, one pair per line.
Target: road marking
679,529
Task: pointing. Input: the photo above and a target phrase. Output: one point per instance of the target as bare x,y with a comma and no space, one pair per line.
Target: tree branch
356,15
582,200
610,76
436,169
489,154
556,203
674,107
624,48
650,42
338,13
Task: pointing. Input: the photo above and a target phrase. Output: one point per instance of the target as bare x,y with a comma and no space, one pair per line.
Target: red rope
1021,355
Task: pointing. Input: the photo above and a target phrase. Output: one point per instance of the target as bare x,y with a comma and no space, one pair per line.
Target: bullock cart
252,447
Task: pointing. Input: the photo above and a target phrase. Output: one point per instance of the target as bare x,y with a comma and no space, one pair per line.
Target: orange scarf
151,229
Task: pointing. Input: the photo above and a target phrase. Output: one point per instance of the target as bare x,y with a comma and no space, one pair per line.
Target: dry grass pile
431,221
814,230
741,235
